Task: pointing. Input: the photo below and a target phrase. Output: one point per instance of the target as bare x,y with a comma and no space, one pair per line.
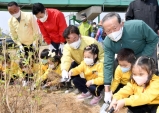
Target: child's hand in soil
88,83
120,104
113,104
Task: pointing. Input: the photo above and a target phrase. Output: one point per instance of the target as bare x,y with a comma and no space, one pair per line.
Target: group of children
135,84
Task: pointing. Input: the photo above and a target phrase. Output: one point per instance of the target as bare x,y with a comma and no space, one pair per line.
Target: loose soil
41,101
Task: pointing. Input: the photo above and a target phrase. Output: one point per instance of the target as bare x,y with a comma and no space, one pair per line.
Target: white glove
51,47
61,47
65,75
108,96
21,48
62,80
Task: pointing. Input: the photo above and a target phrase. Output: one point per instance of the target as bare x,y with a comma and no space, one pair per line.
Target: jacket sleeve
108,65
101,52
116,80
77,70
124,92
13,33
61,22
66,59
100,79
150,93
90,30
44,32
35,28
45,75
130,12
151,39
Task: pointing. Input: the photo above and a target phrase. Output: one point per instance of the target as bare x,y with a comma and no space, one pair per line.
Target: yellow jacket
135,95
11,70
25,32
70,54
94,73
40,68
120,77
85,28
57,70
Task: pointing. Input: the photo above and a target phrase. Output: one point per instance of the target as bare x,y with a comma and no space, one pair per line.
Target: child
44,56
27,72
54,62
141,94
93,82
8,67
126,59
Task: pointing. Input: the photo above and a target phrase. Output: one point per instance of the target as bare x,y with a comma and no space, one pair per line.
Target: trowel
104,108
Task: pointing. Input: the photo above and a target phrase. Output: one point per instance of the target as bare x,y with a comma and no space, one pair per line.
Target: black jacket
146,10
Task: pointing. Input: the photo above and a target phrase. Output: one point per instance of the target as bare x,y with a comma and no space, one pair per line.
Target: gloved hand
61,47
65,75
21,48
51,47
108,96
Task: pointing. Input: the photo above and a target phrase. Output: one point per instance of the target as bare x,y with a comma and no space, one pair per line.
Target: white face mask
140,80
75,45
17,15
115,36
51,66
44,18
89,61
94,25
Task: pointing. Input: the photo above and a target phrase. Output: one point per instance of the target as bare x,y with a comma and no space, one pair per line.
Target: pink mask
140,80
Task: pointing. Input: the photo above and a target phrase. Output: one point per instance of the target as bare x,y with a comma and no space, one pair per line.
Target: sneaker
69,90
85,95
95,100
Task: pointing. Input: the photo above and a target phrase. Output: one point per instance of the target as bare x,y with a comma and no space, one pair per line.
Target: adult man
134,34
85,28
73,50
146,10
52,24
23,28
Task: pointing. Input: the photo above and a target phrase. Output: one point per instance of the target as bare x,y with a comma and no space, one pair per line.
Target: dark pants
143,109
73,65
56,46
27,49
80,83
118,88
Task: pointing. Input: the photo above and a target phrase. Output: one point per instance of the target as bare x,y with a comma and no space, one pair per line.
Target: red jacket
52,29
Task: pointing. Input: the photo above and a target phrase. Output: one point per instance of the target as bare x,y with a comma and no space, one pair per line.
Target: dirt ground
68,103
42,101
